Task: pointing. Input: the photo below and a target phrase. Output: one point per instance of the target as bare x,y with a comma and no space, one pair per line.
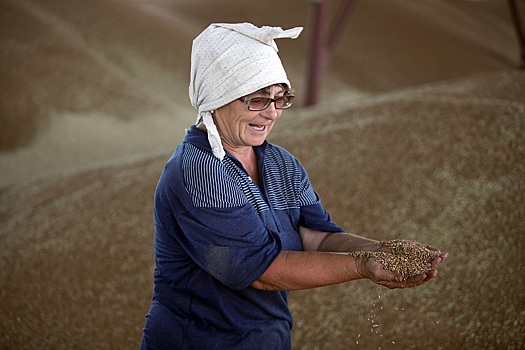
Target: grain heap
407,258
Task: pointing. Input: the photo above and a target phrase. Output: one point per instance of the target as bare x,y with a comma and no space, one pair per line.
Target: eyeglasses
261,103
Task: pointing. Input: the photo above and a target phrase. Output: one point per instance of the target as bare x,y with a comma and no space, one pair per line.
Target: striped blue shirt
216,232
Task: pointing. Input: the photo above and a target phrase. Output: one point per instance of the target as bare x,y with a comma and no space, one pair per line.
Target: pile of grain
407,258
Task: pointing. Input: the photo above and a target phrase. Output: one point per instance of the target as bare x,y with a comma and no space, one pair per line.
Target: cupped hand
371,269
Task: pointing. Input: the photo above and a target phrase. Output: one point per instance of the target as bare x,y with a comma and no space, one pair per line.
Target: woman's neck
248,159
245,155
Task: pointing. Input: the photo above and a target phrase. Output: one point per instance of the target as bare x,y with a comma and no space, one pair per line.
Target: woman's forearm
335,241
303,270
346,242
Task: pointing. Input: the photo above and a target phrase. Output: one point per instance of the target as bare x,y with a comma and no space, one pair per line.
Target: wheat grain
407,258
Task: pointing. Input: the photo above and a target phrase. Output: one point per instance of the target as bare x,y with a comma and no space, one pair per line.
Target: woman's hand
366,266
371,269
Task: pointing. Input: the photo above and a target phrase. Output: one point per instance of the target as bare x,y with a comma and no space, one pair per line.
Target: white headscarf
229,61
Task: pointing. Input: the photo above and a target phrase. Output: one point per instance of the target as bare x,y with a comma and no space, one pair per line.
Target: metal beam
518,26
317,50
322,42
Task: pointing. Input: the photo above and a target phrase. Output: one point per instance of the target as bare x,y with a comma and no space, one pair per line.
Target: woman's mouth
258,127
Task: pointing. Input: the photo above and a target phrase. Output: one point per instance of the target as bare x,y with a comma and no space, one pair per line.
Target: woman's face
240,128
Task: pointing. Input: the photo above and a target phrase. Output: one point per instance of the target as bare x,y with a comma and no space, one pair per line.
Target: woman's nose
271,112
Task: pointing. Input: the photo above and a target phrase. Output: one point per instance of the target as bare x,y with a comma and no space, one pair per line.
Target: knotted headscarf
229,61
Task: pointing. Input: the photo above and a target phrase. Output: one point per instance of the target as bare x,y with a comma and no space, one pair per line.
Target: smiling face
240,128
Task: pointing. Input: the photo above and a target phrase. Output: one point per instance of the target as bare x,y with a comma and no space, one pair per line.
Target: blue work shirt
216,232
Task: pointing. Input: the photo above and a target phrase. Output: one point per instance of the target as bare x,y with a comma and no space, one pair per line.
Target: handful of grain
407,258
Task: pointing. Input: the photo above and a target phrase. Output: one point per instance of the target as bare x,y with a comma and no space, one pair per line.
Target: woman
237,222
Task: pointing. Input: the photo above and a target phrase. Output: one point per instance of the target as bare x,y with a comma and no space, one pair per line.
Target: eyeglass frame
246,100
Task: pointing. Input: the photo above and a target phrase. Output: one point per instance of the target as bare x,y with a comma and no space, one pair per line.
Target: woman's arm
335,241
303,270
324,263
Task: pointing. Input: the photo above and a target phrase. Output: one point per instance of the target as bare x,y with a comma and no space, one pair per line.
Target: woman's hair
287,90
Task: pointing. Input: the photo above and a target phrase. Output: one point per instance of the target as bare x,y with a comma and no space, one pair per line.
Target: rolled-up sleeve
228,243
203,209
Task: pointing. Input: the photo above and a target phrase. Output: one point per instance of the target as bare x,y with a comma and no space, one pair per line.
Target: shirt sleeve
213,223
314,216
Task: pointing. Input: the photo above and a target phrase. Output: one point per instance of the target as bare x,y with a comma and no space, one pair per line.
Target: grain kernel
407,258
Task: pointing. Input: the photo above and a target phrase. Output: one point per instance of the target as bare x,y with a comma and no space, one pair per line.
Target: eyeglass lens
261,103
